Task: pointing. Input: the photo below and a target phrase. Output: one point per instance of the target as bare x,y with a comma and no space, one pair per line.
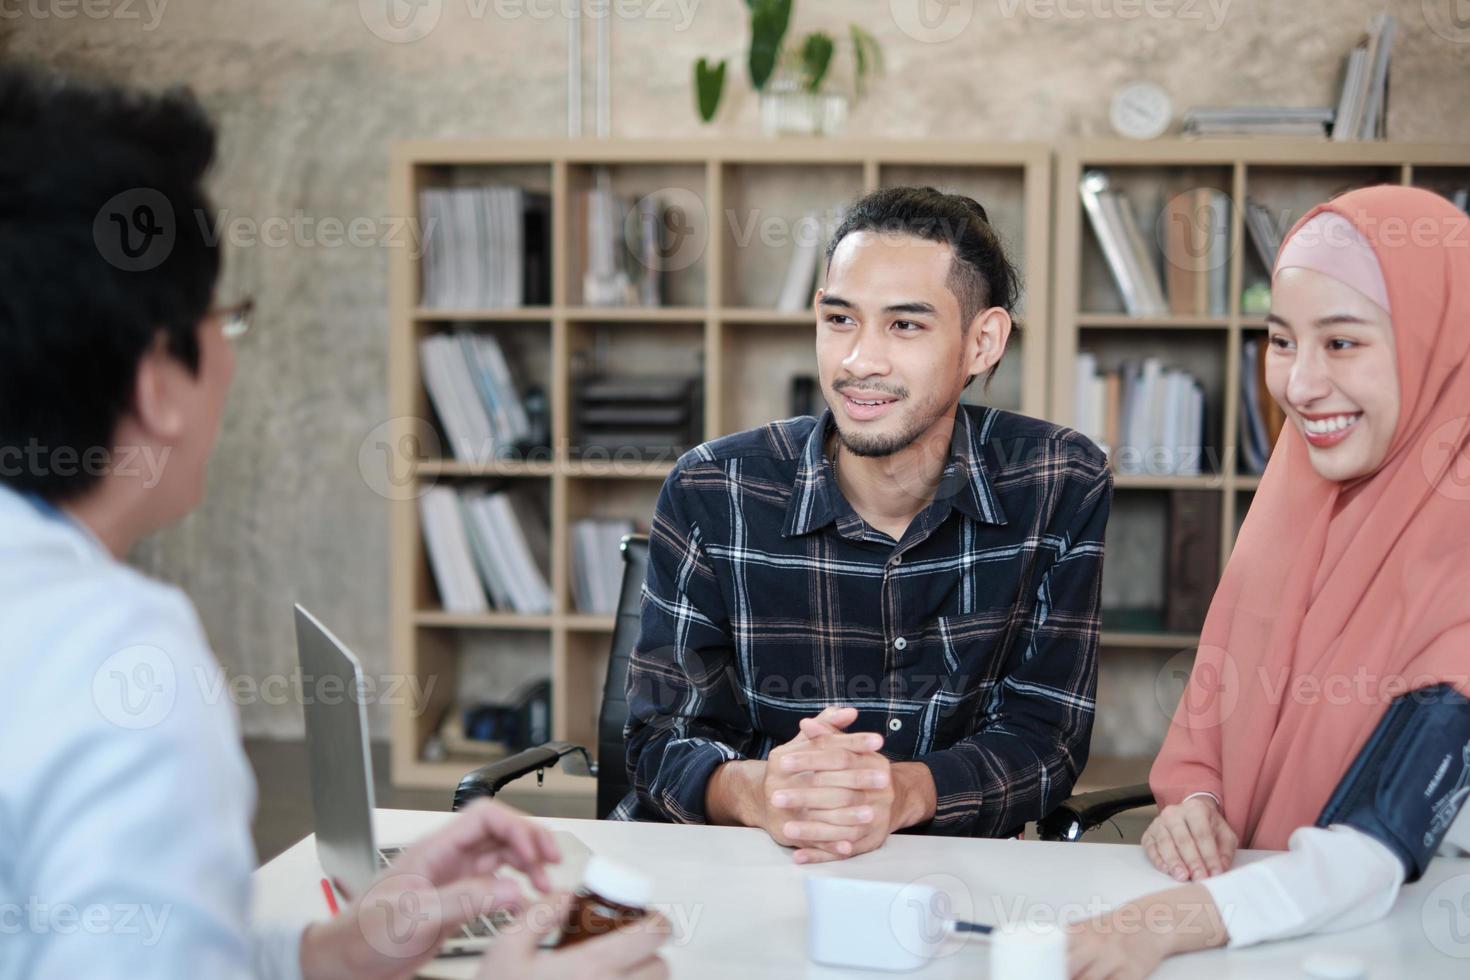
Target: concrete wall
308,98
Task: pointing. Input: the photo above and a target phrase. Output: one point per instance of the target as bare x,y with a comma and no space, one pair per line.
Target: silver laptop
342,784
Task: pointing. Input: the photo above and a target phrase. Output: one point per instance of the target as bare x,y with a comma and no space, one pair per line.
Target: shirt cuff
276,951
957,797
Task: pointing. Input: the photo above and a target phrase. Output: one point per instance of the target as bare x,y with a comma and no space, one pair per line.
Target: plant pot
789,109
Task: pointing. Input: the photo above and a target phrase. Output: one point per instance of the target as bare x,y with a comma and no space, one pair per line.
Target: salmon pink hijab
1339,597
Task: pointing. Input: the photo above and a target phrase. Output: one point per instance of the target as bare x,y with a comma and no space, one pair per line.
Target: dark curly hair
101,251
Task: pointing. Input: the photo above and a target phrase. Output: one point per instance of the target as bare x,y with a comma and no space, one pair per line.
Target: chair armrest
1084,811
491,779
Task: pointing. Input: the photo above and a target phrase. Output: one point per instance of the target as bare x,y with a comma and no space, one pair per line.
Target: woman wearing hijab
1348,588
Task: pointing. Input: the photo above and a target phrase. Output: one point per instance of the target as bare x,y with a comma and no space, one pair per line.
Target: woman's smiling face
1332,367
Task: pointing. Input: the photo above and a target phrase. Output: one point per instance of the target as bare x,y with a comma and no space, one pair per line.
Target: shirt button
893,562
900,644
894,724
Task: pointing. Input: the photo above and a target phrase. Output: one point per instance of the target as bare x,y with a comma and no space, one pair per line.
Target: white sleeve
276,952
1329,880
139,800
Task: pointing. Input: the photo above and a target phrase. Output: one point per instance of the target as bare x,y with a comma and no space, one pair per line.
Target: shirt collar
816,500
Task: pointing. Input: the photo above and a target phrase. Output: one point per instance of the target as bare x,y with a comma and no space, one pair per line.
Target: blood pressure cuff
1412,777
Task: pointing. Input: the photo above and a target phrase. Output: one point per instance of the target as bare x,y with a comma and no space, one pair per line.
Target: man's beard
880,444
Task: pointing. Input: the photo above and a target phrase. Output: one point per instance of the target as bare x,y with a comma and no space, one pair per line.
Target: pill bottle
612,896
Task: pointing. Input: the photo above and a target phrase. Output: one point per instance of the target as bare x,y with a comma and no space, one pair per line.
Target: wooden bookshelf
720,314
1287,176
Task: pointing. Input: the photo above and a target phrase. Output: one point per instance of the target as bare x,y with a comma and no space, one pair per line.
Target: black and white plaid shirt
970,645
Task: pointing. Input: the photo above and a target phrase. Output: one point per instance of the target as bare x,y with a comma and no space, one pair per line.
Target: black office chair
610,769
1082,812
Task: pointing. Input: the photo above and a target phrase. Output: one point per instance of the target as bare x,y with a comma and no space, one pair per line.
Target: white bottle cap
617,882
1028,951
1330,966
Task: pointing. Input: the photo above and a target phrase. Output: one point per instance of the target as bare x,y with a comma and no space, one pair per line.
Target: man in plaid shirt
885,618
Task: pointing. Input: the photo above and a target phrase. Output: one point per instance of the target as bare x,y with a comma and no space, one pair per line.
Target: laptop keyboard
482,927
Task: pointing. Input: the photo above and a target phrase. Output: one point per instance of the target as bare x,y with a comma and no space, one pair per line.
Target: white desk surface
739,904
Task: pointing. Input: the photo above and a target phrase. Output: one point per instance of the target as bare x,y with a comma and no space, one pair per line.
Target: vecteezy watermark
1445,459
406,21
37,460
676,220
90,9
1210,13
136,687
1445,916
96,919
301,229
1196,690
134,231
388,457
932,21
1450,19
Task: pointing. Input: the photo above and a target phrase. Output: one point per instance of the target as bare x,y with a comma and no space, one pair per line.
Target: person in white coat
125,796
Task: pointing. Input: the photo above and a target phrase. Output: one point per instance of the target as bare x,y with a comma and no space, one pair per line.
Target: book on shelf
597,563
486,550
1362,108
485,247
472,391
801,271
1261,418
1265,233
1309,122
622,247
1148,418
1115,224
1197,252
1193,566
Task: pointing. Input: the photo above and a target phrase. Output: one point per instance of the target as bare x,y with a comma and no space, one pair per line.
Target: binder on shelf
1194,558
485,247
1113,222
597,566
1150,419
447,543
486,550
474,395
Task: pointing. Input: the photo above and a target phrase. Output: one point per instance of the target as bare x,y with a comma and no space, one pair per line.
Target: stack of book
1148,418
622,248
486,550
470,386
1227,121
1261,419
597,563
1362,111
485,247
1196,236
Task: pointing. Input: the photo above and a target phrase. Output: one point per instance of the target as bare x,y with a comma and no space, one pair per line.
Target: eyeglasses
234,321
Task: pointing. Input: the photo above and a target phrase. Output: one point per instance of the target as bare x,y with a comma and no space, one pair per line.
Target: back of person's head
981,275
102,253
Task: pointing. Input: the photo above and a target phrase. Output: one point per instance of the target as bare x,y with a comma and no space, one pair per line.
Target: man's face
892,354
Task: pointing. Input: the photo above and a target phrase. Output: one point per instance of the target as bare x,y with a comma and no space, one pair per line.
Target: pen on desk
331,898
975,927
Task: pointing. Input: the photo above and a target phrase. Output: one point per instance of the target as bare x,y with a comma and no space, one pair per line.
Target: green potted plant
794,80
